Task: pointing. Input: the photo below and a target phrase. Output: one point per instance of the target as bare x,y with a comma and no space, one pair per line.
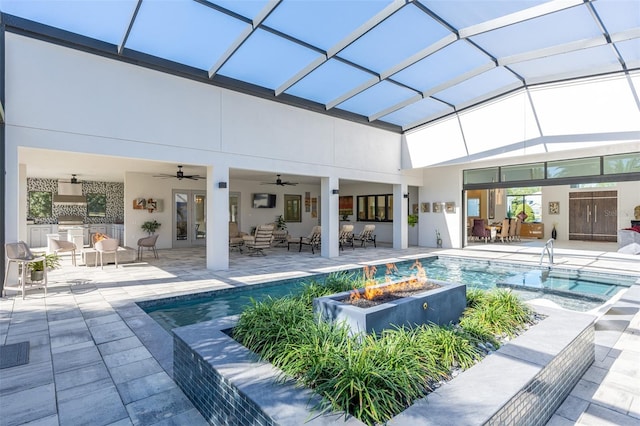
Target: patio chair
480,229
366,236
346,236
236,237
256,244
108,245
61,246
20,254
148,242
312,240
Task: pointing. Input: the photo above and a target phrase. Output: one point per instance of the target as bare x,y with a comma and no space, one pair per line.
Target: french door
593,216
189,218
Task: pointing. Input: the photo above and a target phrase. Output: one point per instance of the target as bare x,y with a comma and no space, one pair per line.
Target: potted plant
150,226
280,223
412,219
36,269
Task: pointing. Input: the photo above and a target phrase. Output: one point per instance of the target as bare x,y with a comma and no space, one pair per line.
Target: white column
218,217
329,216
400,212
12,206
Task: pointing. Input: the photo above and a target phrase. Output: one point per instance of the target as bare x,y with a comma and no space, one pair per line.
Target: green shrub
371,377
500,313
451,347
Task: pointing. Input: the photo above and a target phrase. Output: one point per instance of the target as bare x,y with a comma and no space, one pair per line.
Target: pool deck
96,358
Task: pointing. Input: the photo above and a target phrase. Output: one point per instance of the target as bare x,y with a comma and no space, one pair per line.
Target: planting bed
523,382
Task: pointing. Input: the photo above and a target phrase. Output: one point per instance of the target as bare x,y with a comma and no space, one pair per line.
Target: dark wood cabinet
593,216
532,230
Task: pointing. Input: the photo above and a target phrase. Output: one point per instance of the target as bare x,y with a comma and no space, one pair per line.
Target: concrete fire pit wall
440,306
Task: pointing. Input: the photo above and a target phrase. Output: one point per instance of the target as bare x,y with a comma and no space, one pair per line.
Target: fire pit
408,302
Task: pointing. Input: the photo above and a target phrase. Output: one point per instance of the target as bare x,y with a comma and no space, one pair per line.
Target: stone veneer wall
114,192
521,383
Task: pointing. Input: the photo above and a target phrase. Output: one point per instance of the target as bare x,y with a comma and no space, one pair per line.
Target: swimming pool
570,289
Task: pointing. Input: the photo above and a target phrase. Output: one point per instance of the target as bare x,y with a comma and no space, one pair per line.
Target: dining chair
108,245
480,229
20,254
504,231
61,246
149,243
512,228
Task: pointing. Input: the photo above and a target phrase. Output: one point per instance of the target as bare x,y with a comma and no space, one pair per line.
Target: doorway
189,218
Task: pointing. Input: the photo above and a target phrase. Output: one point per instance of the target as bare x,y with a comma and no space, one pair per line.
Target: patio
97,358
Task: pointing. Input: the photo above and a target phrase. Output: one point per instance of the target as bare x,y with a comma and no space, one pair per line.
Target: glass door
234,207
190,218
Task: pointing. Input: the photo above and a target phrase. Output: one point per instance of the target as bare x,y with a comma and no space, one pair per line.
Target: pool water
570,289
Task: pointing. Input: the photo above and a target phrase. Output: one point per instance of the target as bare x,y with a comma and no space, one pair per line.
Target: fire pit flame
372,291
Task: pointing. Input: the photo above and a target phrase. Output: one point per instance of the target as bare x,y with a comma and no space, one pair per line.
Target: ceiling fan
180,175
280,182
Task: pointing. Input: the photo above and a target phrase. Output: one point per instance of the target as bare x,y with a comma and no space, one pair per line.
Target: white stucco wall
62,99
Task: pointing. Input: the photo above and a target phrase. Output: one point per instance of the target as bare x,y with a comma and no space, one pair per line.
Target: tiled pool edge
525,381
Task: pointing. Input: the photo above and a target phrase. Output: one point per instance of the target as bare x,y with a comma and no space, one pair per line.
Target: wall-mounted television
264,201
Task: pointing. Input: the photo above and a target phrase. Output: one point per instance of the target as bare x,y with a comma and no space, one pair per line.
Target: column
218,217
330,219
400,212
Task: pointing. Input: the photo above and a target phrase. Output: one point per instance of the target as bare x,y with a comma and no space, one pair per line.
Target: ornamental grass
373,377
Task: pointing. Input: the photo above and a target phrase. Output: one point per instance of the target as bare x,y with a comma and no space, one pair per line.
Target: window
378,208
473,207
573,168
481,175
292,208
39,204
527,200
96,205
622,163
522,172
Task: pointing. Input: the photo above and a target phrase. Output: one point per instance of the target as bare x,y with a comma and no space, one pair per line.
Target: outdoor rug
14,354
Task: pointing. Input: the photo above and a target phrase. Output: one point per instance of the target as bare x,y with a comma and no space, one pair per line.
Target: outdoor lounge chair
236,237
255,244
366,236
346,236
312,240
